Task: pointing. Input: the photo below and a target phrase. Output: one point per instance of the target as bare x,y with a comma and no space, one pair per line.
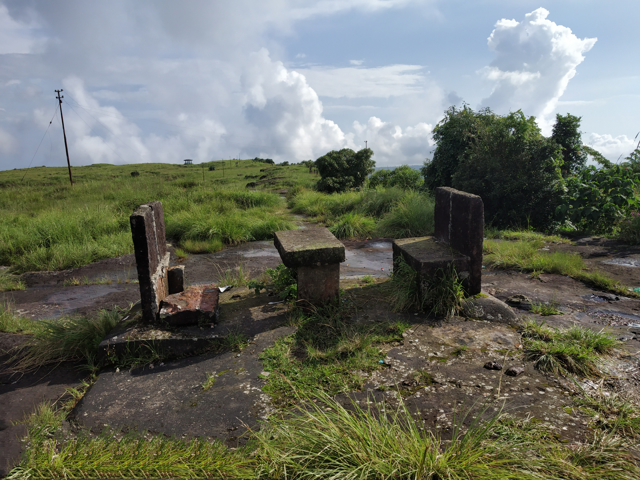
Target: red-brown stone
196,305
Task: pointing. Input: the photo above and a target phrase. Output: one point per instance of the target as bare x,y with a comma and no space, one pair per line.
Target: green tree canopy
403,177
343,169
453,136
514,169
566,134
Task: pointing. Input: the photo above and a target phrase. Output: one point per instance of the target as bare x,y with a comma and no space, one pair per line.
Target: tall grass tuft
10,322
323,439
412,217
576,350
66,339
130,456
353,225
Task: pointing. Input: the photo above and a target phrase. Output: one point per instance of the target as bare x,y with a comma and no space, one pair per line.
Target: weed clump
441,296
576,350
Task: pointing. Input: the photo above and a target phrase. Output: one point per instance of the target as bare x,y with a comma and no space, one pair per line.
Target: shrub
403,177
597,199
630,229
341,170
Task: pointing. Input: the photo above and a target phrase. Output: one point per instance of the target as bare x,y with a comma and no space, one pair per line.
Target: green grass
321,438
412,217
526,256
576,350
134,455
65,339
441,296
545,309
389,212
326,353
10,322
526,235
611,413
45,224
353,225
9,283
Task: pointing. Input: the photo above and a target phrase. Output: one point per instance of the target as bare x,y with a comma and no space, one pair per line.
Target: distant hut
188,161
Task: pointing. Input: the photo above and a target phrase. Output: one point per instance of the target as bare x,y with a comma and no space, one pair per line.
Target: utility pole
365,144
64,133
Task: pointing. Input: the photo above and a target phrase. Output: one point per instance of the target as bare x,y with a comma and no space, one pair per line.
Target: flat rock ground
168,397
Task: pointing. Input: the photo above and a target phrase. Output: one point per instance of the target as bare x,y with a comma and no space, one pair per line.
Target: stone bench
163,298
459,231
316,255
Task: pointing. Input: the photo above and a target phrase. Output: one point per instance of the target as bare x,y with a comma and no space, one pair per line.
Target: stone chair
459,231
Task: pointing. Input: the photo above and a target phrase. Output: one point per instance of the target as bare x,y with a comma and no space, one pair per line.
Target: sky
162,81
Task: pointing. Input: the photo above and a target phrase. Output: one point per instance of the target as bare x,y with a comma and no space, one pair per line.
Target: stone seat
427,255
459,231
316,255
163,297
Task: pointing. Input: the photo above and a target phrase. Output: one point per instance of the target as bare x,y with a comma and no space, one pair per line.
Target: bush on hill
341,170
403,177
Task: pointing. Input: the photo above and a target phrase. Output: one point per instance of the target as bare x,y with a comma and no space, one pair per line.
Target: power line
34,155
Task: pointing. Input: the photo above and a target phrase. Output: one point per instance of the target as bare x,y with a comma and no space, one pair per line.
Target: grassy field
46,224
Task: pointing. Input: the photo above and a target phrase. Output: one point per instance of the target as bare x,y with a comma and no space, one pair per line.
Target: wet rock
489,308
493,366
196,305
514,371
519,301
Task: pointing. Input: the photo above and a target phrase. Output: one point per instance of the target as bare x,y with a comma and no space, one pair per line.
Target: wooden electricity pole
64,133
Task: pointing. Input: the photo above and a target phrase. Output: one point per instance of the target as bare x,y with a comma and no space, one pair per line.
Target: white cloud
535,60
285,112
15,37
8,143
351,82
613,148
357,63
392,145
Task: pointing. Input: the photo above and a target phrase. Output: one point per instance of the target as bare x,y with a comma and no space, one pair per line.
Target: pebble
493,366
514,371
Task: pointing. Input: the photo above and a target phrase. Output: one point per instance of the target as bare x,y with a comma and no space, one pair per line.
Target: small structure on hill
316,255
459,231
188,161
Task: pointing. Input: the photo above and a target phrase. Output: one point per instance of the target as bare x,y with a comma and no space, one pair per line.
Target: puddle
372,261
72,298
379,245
594,298
623,262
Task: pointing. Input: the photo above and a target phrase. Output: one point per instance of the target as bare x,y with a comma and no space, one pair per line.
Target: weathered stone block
152,258
318,285
176,279
196,305
316,254
459,221
309,246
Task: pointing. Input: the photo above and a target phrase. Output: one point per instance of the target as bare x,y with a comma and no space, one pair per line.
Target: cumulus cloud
16,36
535,60
392,145
613,148
154,81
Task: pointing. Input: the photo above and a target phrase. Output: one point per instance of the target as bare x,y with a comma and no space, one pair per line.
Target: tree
403,177
341,170
453,136
566,134
514,169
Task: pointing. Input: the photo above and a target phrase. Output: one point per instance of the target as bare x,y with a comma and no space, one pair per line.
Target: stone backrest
152,257
459,222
